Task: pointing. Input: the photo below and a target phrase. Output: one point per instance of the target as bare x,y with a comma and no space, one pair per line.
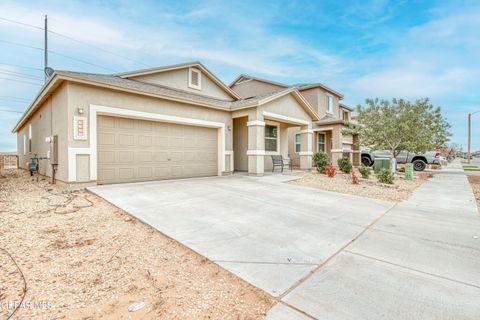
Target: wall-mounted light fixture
229,128
80,110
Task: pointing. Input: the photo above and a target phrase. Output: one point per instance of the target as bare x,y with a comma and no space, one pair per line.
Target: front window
321,142
344,115
30,138
329,103
298,140
271,138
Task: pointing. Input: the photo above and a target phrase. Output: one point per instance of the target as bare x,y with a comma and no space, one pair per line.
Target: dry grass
86,259
370,188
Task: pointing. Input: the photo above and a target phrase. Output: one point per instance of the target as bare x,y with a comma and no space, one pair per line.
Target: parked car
419,161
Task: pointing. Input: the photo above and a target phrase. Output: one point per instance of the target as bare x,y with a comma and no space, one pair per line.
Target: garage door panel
106,157
126,173
106,139
136,150
124,123
126,156
126,139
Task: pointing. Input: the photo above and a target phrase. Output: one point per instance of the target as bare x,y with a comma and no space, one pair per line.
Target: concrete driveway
270,233
326,255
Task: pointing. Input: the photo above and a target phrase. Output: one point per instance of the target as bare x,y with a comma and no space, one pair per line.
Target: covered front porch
262,131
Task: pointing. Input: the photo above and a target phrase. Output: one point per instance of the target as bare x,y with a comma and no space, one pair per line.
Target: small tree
400,125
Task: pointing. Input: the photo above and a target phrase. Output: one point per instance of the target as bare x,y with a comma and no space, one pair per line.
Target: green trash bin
381,163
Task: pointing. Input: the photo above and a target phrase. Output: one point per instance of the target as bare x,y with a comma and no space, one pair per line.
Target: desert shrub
320,159
385,176
364,171
345,164
330,170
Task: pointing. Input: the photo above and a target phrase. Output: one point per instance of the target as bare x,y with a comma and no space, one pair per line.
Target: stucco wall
317,98
50,119
84,95
179,79
240,143
254,88
287,106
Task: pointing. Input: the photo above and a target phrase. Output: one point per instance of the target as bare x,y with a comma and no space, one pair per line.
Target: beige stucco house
326,132
172,122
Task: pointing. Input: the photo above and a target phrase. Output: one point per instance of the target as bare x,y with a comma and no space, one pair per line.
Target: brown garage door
136,150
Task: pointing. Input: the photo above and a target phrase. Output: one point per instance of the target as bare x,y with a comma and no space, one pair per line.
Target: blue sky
380,48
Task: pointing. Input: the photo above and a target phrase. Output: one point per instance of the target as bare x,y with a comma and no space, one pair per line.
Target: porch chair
280,161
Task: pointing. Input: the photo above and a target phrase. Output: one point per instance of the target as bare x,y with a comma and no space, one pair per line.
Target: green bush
365,172
345,164
385,176
320,159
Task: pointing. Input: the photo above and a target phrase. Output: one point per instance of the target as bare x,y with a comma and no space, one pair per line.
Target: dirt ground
371,188
475,183
81,258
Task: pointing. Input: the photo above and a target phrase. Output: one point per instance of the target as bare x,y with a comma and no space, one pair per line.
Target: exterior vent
195,79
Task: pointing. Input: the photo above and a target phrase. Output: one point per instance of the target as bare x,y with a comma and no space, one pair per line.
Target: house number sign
80,128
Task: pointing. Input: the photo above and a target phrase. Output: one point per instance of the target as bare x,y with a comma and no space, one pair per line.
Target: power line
19,66
14,98
20,74
55,53
12,111
21,81
75,40
13,101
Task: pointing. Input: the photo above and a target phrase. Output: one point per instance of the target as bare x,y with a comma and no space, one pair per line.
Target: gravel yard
371,188
81,258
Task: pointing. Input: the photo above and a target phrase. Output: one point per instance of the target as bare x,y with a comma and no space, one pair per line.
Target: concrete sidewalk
421,260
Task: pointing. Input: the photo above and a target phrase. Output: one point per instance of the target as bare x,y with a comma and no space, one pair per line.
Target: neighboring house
177,121
327,131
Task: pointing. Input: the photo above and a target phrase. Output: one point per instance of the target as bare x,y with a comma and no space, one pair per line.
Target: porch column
337,146
356,152
256,147
306,148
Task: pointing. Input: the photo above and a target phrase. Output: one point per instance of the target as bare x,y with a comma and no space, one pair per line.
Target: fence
8,161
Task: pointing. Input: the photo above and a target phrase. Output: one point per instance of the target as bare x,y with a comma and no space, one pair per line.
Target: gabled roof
243,77
306,86
270,96
344,106
194,64
152,90
299,86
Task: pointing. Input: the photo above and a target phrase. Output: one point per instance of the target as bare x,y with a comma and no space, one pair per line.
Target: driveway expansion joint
336,253
412,269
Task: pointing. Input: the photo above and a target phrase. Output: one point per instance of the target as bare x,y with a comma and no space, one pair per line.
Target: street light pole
469,121
469,128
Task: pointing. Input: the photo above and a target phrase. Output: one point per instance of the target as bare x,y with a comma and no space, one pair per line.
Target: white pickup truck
419,161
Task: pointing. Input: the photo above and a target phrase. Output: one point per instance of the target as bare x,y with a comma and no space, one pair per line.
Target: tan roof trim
258,79
344,106
293,91
195,64
319,85
40,98
56,79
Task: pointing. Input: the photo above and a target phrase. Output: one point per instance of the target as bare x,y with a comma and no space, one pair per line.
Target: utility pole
46,48
469,120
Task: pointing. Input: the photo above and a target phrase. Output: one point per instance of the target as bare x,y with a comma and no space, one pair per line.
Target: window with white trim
30,138
195,79
298,140
344,115
321,142
329,103
24,144
271,137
